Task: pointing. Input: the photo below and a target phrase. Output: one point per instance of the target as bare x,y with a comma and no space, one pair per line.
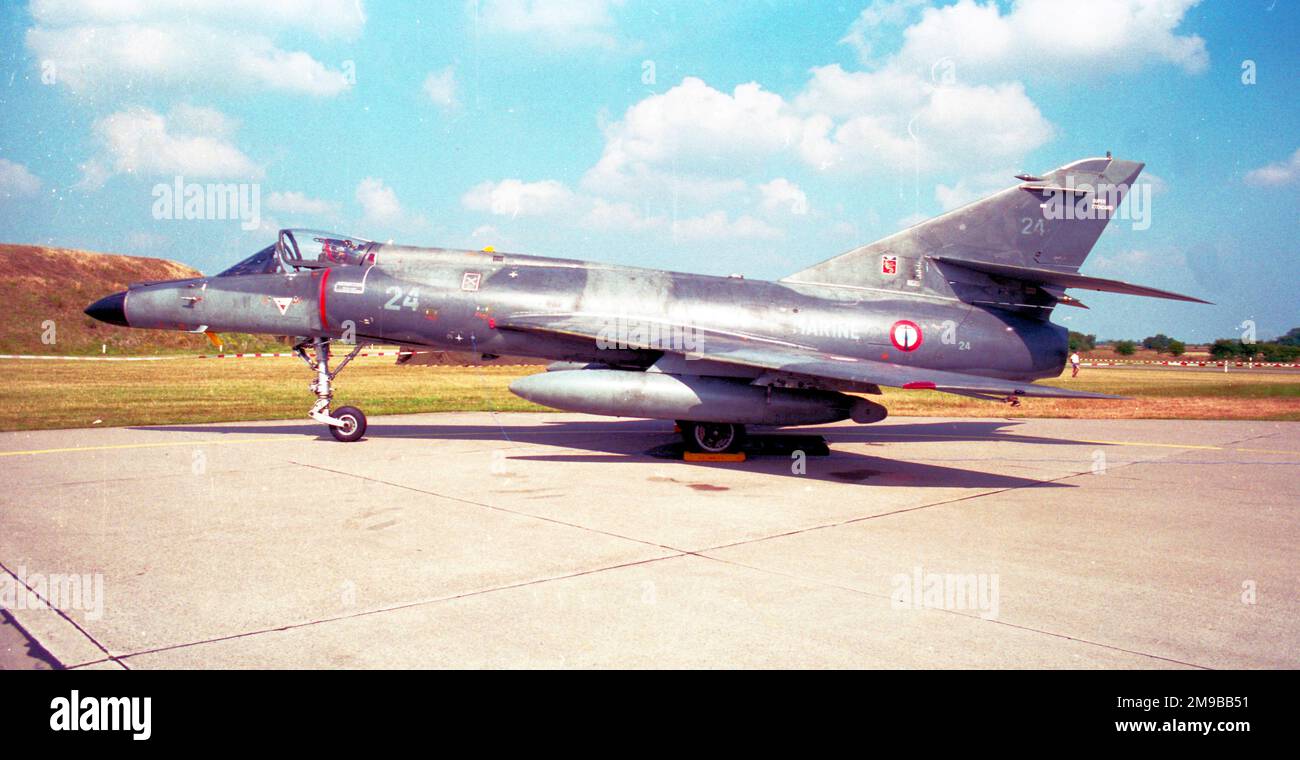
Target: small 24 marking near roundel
906,335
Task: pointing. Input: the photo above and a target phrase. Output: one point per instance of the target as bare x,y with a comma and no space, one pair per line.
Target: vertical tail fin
1048,222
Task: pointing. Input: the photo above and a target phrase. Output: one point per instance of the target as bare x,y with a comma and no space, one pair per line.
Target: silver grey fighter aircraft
958,304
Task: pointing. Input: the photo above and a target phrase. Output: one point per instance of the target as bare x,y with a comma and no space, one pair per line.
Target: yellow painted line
1270,451
120,446
1194,446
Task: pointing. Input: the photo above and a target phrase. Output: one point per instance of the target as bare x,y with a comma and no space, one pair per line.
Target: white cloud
846,122
299,204
842,94
190,142
16,181
487,236
696,126
783,195
621,216
1047,37
558,23
944,100
513,197
717,226
97,46
440,86
895,120
1280,173
379,204
973,187
866,29
193,119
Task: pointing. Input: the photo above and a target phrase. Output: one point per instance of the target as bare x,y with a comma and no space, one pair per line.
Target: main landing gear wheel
712,437
353,427
347,423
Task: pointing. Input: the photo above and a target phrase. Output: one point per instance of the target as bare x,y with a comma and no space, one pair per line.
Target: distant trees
1158,343
1276,352
1283,350
1081,342
1225,349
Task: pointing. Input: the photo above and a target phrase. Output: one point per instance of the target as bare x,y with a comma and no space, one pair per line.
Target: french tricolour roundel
905,335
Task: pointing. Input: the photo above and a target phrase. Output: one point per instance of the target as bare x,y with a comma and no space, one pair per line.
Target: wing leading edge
804,361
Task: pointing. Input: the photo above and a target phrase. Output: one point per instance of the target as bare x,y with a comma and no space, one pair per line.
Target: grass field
67,394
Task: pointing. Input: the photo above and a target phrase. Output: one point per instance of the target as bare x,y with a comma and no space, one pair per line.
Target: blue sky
755,137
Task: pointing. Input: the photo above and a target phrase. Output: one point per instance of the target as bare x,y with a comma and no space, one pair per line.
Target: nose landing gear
347,423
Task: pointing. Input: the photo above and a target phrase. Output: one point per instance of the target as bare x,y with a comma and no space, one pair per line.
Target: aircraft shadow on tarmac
769,452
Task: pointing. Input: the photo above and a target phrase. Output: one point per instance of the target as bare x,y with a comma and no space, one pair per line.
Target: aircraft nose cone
110,309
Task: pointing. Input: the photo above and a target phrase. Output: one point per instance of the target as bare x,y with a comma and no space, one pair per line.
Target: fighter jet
960,304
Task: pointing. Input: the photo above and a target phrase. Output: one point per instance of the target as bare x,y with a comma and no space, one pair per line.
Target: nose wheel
347,423
353,427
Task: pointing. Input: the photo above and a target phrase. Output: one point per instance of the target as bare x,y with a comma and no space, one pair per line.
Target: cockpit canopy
305,249
324,247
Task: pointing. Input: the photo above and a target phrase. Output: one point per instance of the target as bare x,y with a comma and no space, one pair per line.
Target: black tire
352,431
713,437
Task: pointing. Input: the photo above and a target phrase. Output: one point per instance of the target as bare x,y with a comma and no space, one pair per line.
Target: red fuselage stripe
324,320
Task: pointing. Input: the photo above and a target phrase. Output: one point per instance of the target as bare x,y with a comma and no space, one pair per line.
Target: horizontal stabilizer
1061,279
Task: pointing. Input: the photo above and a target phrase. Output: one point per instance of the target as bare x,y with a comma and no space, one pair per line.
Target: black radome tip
110,309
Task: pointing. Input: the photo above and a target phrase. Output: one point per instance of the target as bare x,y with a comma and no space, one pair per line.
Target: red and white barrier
1244,365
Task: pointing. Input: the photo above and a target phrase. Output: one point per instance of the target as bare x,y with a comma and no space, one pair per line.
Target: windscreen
262,262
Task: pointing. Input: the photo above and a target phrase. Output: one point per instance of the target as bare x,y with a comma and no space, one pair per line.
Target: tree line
1283,349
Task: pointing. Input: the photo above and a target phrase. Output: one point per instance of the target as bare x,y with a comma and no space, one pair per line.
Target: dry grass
63,394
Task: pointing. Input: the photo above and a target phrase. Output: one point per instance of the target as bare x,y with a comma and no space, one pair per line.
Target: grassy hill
39,284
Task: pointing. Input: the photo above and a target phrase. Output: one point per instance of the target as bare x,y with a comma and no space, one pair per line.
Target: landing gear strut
712,437
347,423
